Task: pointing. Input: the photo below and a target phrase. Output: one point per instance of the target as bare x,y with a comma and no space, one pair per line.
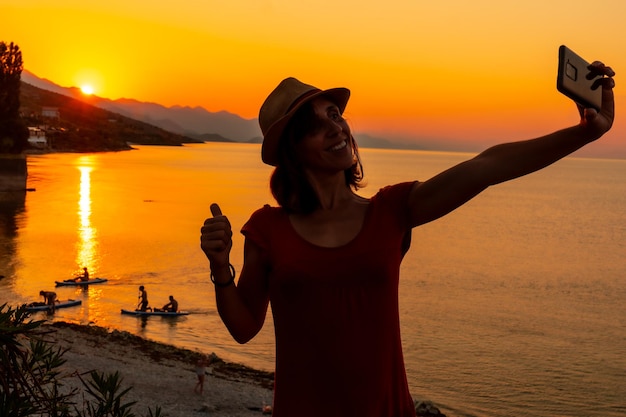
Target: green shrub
31,379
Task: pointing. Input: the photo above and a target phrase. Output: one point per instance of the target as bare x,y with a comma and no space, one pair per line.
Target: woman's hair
289,184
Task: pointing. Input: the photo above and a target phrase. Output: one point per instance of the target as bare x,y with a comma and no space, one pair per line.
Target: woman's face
328,146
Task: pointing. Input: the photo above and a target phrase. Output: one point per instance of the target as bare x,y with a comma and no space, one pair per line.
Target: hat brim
269,148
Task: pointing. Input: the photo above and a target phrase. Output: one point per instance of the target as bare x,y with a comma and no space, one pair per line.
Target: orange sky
480,71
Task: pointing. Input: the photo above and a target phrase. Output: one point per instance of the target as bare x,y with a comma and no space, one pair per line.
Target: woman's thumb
215,210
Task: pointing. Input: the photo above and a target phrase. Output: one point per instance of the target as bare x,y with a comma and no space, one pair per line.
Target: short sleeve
259,226
395,200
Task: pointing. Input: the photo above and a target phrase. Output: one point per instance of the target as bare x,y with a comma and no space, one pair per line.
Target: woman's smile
338,146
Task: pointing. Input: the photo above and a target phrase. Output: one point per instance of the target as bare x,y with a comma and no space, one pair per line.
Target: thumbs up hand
216,239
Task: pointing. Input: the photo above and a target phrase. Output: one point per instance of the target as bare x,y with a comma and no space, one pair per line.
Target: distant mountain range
197,122
72,125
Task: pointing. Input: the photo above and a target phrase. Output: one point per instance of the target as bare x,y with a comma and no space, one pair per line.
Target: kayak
155,313
39,306
69,282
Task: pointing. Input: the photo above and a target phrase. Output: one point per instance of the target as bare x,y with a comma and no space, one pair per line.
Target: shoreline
160,375
159,351
163,375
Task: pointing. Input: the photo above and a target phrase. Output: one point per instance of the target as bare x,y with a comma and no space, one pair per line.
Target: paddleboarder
172,306
50,298
142,305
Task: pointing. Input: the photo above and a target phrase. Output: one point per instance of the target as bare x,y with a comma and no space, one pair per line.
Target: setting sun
87,89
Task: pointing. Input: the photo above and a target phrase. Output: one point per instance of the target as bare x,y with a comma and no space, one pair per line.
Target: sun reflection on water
87,234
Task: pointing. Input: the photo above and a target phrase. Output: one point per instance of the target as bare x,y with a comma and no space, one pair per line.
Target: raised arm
452,188
242,308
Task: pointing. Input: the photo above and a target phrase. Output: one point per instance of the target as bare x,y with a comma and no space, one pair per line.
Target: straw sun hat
282,104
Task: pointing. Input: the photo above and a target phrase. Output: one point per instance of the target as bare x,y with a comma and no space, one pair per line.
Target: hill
82,127
192,122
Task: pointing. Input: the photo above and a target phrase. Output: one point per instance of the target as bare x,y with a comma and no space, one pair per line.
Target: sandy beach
162,375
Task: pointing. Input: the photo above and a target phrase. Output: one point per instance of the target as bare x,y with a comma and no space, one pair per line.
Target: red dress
338,346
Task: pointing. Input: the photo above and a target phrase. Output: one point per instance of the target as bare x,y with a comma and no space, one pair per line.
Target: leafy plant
31,380
13,131
107,392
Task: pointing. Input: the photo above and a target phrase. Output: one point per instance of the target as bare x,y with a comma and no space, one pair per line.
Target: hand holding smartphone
576,81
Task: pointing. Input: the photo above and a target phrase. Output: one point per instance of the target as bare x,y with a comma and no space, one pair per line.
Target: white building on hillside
37,137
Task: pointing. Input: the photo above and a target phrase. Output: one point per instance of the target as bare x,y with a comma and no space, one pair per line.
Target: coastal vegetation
32,382
13,131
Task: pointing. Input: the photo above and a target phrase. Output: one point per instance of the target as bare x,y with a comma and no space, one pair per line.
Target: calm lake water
513,305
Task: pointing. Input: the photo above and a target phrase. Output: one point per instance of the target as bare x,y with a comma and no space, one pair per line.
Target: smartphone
572,79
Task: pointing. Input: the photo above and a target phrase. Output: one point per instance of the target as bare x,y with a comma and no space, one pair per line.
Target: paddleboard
39,306
155,313
71,282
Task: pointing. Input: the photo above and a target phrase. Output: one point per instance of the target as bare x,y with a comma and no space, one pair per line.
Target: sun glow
86,89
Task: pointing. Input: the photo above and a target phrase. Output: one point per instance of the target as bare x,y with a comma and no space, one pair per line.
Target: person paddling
84,277
142,305
171,307
50,298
